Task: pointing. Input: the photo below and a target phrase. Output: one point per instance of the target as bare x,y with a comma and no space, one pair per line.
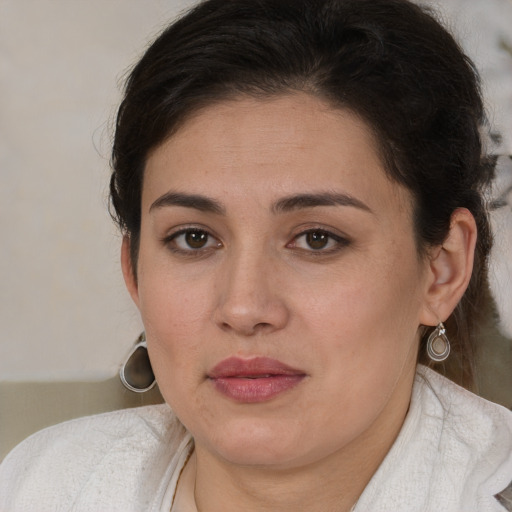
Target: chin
255,443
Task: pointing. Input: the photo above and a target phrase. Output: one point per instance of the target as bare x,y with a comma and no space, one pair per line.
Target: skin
346,314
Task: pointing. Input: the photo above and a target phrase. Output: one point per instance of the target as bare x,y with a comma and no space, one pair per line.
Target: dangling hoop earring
438,345
136,373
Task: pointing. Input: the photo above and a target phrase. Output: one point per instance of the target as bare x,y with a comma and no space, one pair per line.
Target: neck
309,489
332,483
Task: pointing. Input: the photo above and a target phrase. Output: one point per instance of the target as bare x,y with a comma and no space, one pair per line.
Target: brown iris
196,239
317,239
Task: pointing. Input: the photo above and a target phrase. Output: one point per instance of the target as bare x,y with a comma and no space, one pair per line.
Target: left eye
193,240
318,240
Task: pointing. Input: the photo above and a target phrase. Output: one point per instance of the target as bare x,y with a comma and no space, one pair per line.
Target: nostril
261,326
247,329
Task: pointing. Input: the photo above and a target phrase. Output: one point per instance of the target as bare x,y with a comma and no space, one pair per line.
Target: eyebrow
196,201
300,201
286,204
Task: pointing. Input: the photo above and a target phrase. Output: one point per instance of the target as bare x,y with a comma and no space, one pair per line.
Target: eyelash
170,242
337,242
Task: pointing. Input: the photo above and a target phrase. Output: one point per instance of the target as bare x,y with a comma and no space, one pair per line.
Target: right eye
192,240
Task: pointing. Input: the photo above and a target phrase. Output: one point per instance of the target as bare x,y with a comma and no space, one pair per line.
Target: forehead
270,147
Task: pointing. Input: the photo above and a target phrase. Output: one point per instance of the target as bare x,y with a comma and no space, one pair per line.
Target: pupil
196,239
317,240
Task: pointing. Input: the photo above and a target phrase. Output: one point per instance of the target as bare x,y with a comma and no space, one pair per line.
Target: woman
299,188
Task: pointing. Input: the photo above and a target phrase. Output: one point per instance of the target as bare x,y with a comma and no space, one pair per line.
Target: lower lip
255,390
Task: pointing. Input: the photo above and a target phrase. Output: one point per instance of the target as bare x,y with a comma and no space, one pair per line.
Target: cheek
172,300
366,293
367,313
174,314
363,339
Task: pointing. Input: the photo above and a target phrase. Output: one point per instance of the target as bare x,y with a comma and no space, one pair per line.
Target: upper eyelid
178,230
319,230
169,241
171,236
336,234
340,242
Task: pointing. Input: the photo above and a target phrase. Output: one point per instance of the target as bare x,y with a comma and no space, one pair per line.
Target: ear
128,271
450,268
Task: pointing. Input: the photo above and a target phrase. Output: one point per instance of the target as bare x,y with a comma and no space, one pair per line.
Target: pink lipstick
253,380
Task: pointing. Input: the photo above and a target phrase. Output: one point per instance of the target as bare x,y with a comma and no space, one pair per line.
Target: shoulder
475,432
91,436
468,415
106,454
457,399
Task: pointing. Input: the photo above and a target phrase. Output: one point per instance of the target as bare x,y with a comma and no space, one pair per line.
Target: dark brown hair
389,61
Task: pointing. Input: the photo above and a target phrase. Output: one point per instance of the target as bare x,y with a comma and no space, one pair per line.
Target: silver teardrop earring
438,344
136,373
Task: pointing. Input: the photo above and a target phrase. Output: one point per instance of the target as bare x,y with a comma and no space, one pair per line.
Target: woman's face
278,281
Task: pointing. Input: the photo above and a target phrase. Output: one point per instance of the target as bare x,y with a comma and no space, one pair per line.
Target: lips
254,380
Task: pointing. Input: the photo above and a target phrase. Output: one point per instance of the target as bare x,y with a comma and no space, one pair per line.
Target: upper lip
253,367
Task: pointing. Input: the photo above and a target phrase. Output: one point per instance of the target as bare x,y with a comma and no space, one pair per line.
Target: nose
250,300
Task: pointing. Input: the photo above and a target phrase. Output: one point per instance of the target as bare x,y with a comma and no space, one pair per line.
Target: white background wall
64,313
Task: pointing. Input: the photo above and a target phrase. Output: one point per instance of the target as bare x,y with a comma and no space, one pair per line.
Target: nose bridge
249,299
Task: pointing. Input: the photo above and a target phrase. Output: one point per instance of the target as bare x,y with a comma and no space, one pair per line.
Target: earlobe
128,271
450,268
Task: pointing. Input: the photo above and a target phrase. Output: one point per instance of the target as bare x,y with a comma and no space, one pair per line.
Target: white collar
453,453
